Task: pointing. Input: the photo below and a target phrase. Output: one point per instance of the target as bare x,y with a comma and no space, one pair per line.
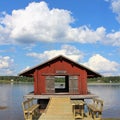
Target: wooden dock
58,109
63,108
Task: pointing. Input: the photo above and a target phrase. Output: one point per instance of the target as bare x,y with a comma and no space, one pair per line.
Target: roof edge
32,68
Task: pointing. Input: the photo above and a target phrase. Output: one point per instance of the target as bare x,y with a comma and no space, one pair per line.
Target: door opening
61,84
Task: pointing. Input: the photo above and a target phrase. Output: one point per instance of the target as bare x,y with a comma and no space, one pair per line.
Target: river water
11,96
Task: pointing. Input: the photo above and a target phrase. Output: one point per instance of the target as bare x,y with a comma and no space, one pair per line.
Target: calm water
11,95
111,96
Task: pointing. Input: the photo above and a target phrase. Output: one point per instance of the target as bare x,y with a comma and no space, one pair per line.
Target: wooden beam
55,74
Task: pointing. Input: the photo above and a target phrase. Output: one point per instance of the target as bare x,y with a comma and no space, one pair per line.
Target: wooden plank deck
60,108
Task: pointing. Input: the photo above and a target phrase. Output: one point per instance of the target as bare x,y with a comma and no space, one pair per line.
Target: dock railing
29,109
95,109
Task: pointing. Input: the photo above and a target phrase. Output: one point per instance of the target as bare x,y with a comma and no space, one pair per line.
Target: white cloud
6,65
113,39
115,5
96,62
84,34
38,23
4,35
27,68
102,65
5,62
66,50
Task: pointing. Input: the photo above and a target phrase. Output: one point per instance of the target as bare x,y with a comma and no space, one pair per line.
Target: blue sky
86,31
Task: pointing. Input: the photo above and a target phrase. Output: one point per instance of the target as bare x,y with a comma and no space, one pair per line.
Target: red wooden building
50,74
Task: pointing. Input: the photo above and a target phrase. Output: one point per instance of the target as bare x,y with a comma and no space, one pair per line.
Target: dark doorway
61,84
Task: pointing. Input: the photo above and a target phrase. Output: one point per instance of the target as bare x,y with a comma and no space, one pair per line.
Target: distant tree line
110,79
60,80
16,78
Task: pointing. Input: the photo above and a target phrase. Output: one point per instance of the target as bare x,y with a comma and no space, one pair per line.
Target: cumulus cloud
6,65
4,35
96,62
38,23
113,39
115,5
66,50
102,65
84,34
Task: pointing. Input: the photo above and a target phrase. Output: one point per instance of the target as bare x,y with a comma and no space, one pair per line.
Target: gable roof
30,71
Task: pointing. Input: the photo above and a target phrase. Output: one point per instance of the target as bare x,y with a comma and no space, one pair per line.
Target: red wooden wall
59,65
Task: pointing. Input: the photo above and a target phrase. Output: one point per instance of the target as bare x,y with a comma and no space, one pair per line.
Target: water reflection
11,95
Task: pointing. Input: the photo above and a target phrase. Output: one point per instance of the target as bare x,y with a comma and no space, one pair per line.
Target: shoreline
15,82
21,82
103,83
